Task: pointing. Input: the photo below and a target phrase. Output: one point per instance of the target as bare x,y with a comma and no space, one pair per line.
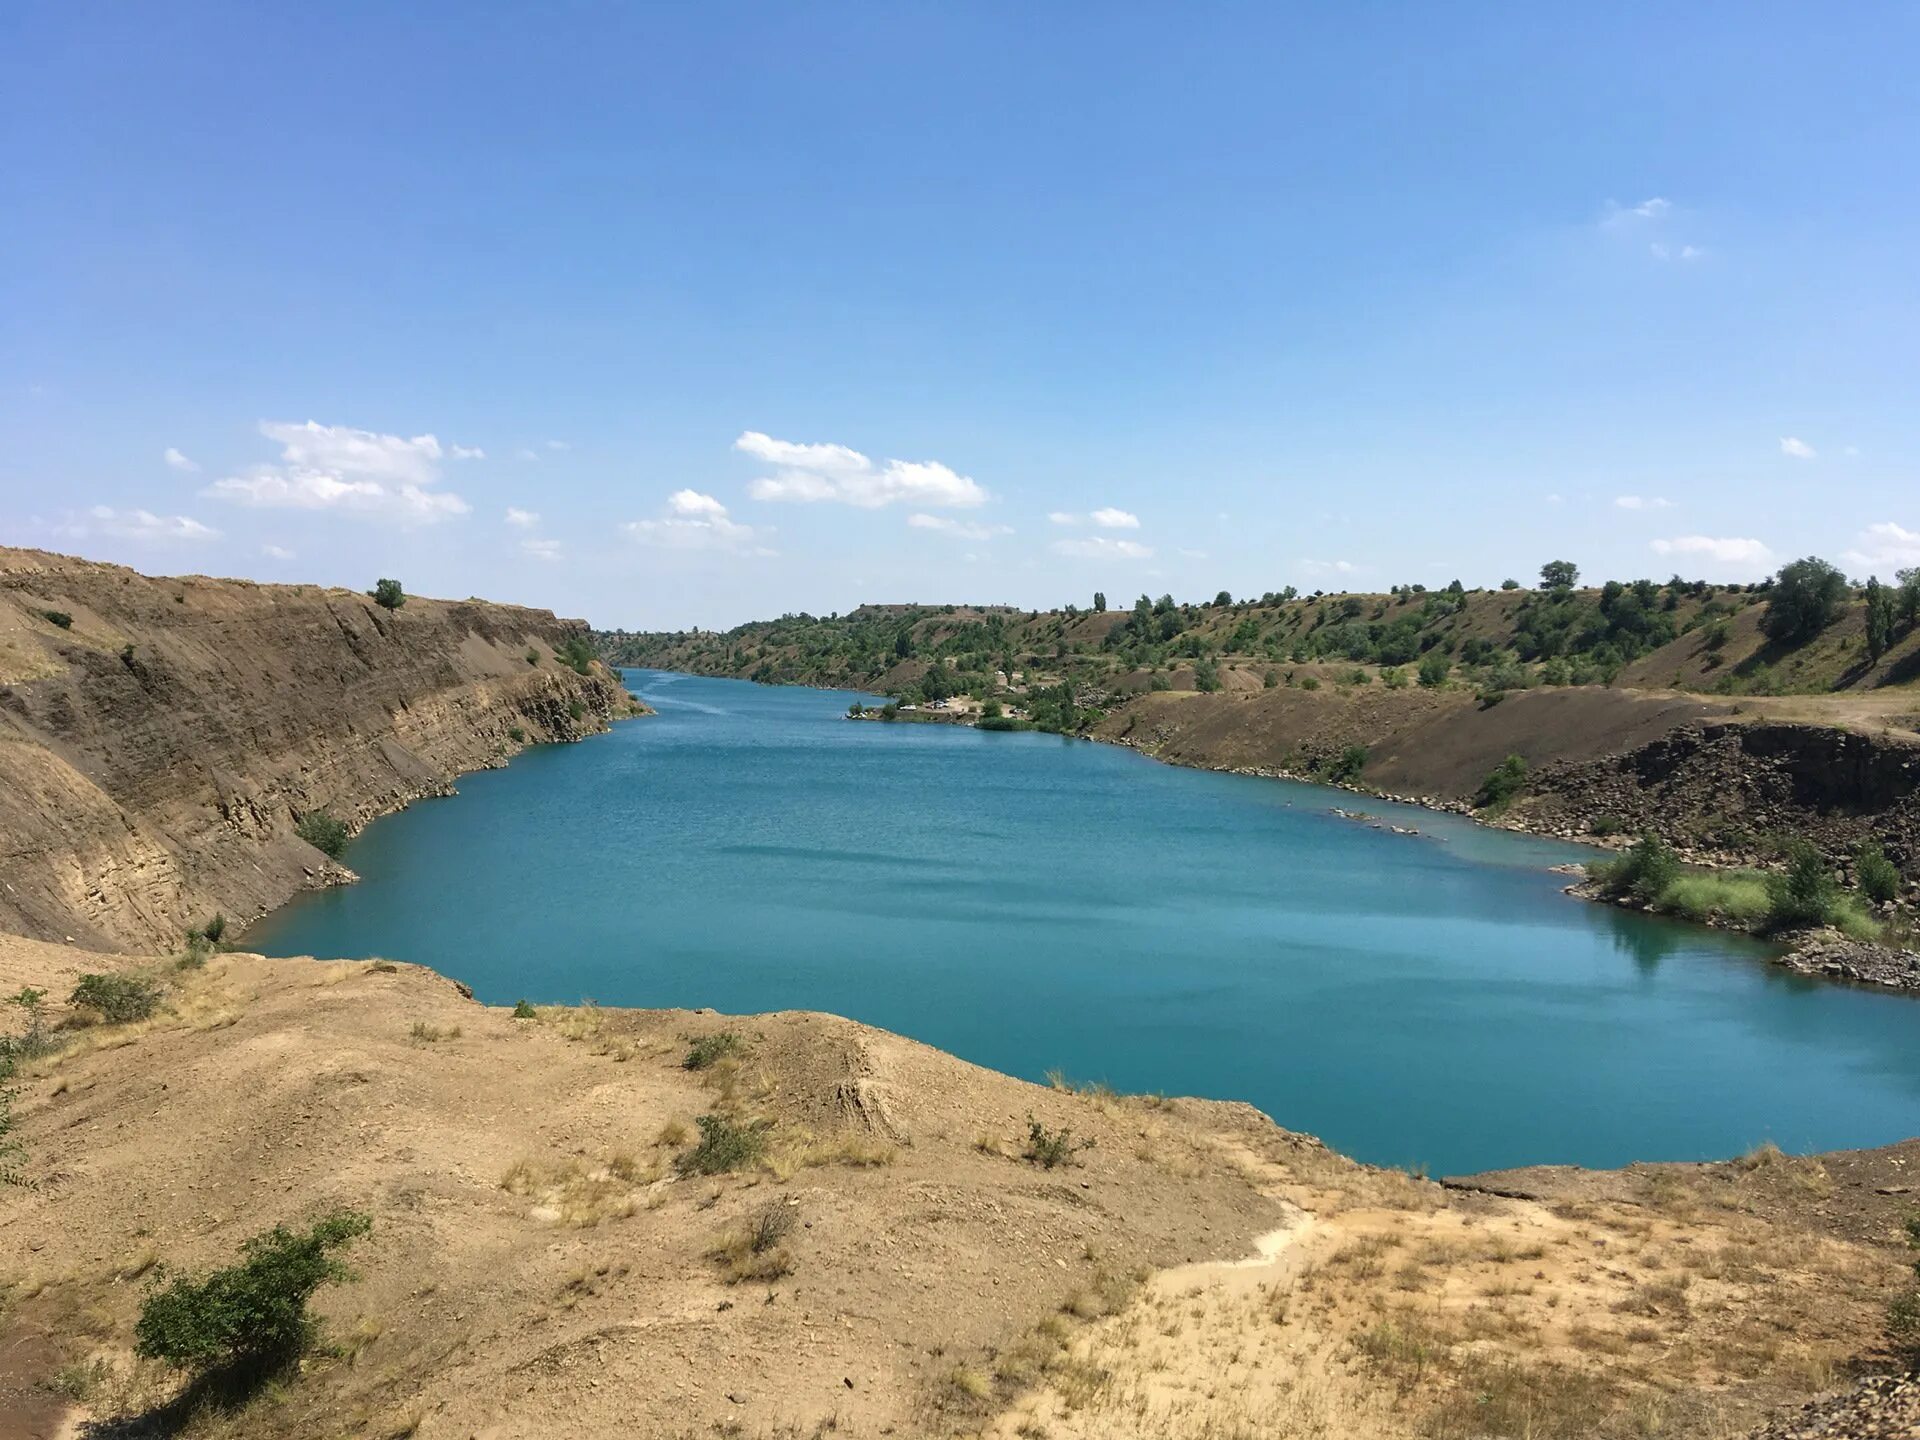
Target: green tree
1509,584
1206,675
1805,598
1559,575
1433,669
1879,620
388,594
253,1314
1879,877
1805,892
1099,602
1909,601
1223,599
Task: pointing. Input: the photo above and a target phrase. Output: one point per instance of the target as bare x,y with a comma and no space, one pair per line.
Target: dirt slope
159,738
539,1266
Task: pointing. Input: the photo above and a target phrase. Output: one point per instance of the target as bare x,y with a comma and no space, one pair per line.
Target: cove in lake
1030,902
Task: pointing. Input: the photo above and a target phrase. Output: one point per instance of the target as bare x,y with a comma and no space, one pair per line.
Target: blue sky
748,309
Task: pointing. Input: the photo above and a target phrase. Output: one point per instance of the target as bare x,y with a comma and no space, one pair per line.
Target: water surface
1031,902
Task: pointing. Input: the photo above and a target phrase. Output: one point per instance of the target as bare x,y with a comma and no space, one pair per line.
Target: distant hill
1681,635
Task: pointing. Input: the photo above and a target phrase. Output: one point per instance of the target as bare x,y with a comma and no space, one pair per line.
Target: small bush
1507,779
516,734
326,834
388,594
577,710
758,1251
58,617
1806,892
523,1011
117,999
214,928
723,1146
1879,877
1050,1148
710,1048
1644,871
1606,825
252,1314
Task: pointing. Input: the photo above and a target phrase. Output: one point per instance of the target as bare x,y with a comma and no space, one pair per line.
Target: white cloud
558,445
960,529
1192,554
835,472
176,461
1102,547
1618,215
1885,546
142,525
335,467
1106,518
542,549
466,452
1643,502
692,502
1731,552
1796,447
693,521
524,453
1329,567
522,519
276,552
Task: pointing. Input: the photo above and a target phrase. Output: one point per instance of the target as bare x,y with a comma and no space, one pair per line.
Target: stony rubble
1880,1407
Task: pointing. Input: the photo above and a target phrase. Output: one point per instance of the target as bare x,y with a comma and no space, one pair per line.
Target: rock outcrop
160,739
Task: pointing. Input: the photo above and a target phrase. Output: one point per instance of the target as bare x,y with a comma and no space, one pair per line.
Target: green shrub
724,1145
388,595
711,1048
214,928
1606,825
516,734
1394,677
576,710
250,1315
1505,782
326,834
1805,893
1433,669
1049,1148
35,1041
523,1011
1879,877
117,998
576,653
1644,871
1345,768
58,617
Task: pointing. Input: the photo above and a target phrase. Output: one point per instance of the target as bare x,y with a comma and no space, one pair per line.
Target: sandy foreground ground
893,1262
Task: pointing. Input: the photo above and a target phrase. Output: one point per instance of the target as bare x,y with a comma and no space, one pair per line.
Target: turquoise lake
1030,903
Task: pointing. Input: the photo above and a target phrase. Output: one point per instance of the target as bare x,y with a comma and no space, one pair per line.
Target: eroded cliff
160,739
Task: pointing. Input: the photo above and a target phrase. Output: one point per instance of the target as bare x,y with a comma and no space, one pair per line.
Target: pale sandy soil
538,1266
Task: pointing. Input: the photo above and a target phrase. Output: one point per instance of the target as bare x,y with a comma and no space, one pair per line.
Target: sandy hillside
540,1265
